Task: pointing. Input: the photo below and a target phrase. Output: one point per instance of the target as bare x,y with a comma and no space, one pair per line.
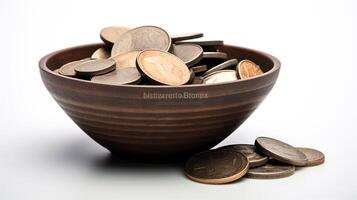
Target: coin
163,67
255,159
199,68
202,43
197,80
215,55
95,67
56,70
187,36
247,69
216,166
112,33
280,151
221,66
141,38
127,59
270,171
128,75
188,53
192,77
68,69
220,76
100,53
314,157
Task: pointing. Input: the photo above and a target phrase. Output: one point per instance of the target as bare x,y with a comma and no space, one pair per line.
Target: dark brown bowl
127,122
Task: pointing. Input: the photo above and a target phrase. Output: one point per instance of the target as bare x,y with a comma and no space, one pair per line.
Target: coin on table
127,59
112,33
216,166
101,53
280,151
255,159
141,38
199,68
202,43
163,67
215,55
95,67
186,36
68,69
271,171
188,53
220,76
314,157
221,66
248,69
128,75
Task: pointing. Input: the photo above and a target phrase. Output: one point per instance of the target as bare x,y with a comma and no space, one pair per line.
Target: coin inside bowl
158,121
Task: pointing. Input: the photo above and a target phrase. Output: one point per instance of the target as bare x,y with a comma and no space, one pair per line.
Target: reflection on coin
221,66
95,67
188,53
163,67
202,43
216,166
220,76
314,157
100,53
68,69
129,75
247,69
127,59
215,55
199,68
280,151
111,34
270,171
255,159
187,36
141,38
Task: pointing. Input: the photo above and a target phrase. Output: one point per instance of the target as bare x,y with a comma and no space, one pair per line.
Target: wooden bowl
158,122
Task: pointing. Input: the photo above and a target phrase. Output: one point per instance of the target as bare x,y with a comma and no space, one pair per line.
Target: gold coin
95,67
127,59
220,76
68,69
141,38
112,33
119,76
199,68
100,53
221,66
215,55
163,67
271,171
187,36
314,157
188,53
248,69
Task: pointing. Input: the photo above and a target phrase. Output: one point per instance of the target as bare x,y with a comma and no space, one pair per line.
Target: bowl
158,122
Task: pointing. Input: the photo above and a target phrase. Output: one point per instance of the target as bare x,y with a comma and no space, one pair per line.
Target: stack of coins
267,159
149,55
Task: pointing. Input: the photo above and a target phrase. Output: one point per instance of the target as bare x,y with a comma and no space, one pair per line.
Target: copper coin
255,159
199,68
95,67
188,53
101,53
215,55
248,69
216,166
202,43
221,66
220,76
163,67
314,157
187,36
128,75
112,33
280,151
127,59
270,171
68,69
141,38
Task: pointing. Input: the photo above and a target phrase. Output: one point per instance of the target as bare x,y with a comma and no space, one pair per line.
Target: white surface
43,155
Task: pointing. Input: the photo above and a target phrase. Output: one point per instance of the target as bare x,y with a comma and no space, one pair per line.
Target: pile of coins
267,159
148,55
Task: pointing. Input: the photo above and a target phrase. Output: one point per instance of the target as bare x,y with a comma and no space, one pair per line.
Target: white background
44,155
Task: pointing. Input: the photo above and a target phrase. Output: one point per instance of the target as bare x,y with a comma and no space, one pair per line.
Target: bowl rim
43,66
